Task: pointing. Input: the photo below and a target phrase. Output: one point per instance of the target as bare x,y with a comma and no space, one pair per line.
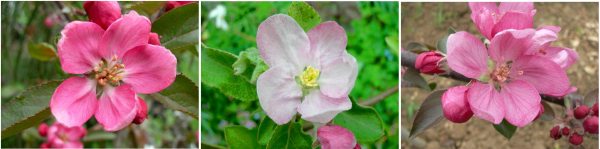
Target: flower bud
49,21
554,133
174,4
45,145
428,62
142,112
539,114
581,111
455,105
566,131
43,129
590,125
576,139
102,13
154,39
334,137
357,146
595,109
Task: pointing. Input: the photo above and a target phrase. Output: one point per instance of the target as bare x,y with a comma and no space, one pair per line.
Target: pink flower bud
595,109
49,21
142,112
566,131
102,13
174,4
455,105
590,125
581,111
43,129
154,39
539,114
45,145
427,63
554,133
357,146
334,137
576,139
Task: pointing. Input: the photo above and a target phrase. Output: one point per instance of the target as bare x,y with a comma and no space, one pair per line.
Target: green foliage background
368,26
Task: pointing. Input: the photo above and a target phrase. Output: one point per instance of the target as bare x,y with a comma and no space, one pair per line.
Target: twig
61,7
409,59
377,98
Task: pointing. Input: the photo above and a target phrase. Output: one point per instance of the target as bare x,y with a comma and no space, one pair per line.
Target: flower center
109,72
309,77
501,73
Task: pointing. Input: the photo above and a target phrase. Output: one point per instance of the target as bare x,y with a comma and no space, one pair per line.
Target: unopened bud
595,109
142,112
581,111
554,133
43,129
566,131
428,63
455,105
590,125
576,139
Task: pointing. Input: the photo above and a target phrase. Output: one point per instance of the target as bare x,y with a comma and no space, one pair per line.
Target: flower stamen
309,77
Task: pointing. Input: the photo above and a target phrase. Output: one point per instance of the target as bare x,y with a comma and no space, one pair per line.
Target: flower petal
521,102
466,55
547,77
542,39
129,31
564,57
455,105
327,42
74,101
320,108
513,20
335,137
282,41
524,7
485,102
278,94
484,15
149,69
478,6
117,107
78,47
510,44
338,76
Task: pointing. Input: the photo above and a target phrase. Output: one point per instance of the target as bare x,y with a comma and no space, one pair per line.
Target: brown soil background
428,22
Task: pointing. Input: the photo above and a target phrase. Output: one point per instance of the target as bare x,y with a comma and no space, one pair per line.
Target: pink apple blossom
491,19
309,73
515,81
60,136
335,137
111,66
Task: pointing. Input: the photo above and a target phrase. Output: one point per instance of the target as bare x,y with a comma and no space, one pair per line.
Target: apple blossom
111,65
335,137
515,81
60,136
491,19
309,73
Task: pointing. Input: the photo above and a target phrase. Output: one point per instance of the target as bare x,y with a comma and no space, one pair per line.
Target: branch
375,99
409,58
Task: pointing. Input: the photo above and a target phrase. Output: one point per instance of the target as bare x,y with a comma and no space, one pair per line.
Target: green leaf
182,96
441,44
239,137
99,136
506,129
250,60
364,122
305,15
210,146
265,130
217,72
289,136
412,77
429,114
418,47
392,42
41,51
146,8
178,28
28,109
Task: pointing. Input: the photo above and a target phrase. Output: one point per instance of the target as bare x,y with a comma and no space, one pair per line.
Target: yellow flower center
309,77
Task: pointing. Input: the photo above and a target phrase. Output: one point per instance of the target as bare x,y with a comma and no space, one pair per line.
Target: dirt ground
428,22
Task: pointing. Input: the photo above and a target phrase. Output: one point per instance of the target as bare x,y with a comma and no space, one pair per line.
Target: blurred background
30,31
372,29
428,22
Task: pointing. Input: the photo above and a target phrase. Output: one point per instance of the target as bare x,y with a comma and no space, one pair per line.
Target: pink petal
74,133
149,68
486,102
129,31
338,76
478,6
555,29
78,47
74,101
547,77
455,105
117,107
154,39
327,41
278,94
317,107
282,41
335,137
142,112
466,54
510,44
564,57
102,13
513,20
521,102
524,7
484,15
541,40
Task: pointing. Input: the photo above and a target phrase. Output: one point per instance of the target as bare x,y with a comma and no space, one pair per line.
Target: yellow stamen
309,77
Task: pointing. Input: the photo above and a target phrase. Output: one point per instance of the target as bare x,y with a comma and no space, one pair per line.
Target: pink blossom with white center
60,136
335,137
111,66
491,19
309,73
515,80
